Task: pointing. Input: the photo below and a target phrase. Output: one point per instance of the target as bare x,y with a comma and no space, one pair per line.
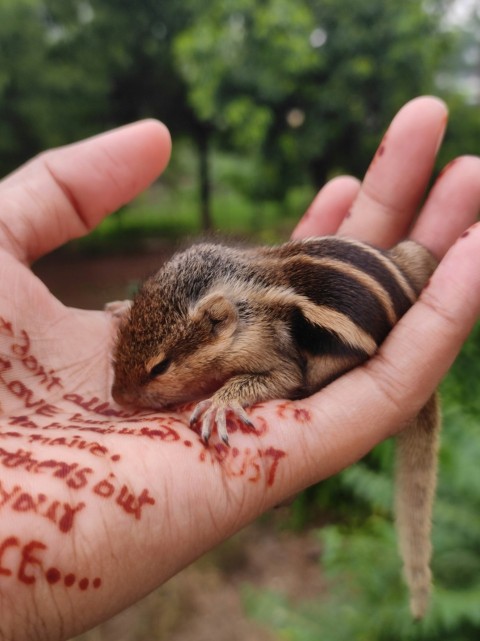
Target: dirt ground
203,602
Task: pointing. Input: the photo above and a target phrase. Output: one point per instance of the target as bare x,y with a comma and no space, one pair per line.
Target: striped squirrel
231,327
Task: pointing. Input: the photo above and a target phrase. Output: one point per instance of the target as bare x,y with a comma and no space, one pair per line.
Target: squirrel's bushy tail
417,453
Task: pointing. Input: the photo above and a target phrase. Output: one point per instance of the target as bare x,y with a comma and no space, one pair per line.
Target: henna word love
25,563
25,394
61,514
20,353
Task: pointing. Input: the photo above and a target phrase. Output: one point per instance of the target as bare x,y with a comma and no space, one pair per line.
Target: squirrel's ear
118,309
219,311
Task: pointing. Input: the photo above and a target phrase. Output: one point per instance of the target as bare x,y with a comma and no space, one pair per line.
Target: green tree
45,99
310,85
135,40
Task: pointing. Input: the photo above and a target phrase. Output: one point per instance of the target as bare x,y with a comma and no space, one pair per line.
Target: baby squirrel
230,327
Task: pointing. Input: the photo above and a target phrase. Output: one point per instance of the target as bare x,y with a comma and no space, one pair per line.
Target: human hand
99,506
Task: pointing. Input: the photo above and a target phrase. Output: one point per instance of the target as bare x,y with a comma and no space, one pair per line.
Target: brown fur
228,328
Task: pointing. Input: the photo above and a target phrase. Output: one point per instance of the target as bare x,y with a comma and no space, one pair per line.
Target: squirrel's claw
213,413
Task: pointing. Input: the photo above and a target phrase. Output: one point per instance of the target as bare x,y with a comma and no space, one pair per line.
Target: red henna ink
18,389
163,433
53,575
6,328
26,563
94,405
6,496
302,415
25,502
105,488
275,456
60,514
5,365
12,541
22,421
65,523
23,347
47,379
30,561
83,584
132,504
252,465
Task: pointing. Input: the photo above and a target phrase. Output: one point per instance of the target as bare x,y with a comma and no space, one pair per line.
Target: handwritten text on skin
51,425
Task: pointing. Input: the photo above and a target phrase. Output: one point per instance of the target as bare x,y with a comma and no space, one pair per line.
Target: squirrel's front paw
213,412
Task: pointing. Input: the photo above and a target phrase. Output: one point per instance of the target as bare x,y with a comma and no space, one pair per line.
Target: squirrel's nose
120,395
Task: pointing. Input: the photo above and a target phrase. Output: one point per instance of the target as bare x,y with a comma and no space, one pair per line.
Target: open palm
99,505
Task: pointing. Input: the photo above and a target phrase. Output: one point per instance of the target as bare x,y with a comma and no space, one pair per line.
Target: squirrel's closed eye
160,368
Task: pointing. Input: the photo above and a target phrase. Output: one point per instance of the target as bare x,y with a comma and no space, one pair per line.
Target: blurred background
266,100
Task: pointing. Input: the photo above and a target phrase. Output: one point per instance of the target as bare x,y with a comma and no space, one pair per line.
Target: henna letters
28,360
73,442
96,406
12,541
58,434
108,488
25,563
292,409
29,559
61,514
6,328
253,465
20,349
75,478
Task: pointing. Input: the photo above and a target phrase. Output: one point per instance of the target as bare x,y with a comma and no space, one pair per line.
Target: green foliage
366,598
249,49
300,90
45,98
310,85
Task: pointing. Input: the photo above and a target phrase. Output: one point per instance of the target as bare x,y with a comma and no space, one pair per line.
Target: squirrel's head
168,354
191,327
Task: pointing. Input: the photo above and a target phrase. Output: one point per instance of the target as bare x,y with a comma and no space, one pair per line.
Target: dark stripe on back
317,340
343,293
330,247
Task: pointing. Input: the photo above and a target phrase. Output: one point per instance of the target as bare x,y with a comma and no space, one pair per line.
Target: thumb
64,193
